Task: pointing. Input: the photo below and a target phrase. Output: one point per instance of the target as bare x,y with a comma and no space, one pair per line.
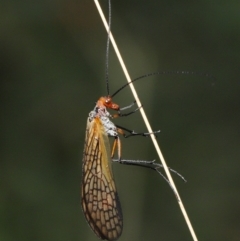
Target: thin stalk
145,119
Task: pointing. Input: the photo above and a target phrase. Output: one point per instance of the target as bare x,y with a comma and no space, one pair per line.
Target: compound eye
107,101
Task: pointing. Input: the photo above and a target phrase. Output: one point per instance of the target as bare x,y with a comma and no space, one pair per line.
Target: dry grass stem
147,123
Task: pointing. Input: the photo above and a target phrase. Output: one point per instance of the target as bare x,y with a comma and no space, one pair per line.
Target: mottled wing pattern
100,201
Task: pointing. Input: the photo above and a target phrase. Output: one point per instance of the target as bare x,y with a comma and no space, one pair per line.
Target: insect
100,201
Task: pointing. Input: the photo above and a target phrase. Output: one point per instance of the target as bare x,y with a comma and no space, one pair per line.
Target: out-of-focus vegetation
52,71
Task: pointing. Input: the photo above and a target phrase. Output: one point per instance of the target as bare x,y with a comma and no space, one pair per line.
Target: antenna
163,73
107,48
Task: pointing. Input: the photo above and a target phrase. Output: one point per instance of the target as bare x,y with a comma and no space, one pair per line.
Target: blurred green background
52,71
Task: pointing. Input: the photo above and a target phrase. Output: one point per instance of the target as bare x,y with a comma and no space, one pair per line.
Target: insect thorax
104,116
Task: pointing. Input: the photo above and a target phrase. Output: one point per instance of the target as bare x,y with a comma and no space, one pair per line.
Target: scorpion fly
100,202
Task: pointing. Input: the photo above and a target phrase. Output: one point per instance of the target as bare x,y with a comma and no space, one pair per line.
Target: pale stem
147,123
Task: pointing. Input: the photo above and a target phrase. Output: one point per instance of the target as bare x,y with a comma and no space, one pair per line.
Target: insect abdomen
100,200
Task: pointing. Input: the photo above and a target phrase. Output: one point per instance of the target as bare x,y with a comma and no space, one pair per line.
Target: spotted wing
100,202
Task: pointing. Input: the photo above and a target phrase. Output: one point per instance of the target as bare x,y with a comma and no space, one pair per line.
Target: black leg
148,164
133,133
129,106
127,114
119,114
152,165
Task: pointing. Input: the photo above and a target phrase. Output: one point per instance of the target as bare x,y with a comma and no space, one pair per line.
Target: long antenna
162,73
147,123
107,48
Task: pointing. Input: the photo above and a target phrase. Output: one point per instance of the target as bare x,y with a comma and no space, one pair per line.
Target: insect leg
117,143
129,106
154,166
149,164
132,132
114,147
119,114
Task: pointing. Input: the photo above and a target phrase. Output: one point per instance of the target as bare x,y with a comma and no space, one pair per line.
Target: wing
100,202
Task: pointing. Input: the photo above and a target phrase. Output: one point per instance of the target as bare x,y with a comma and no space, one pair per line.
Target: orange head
107,102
